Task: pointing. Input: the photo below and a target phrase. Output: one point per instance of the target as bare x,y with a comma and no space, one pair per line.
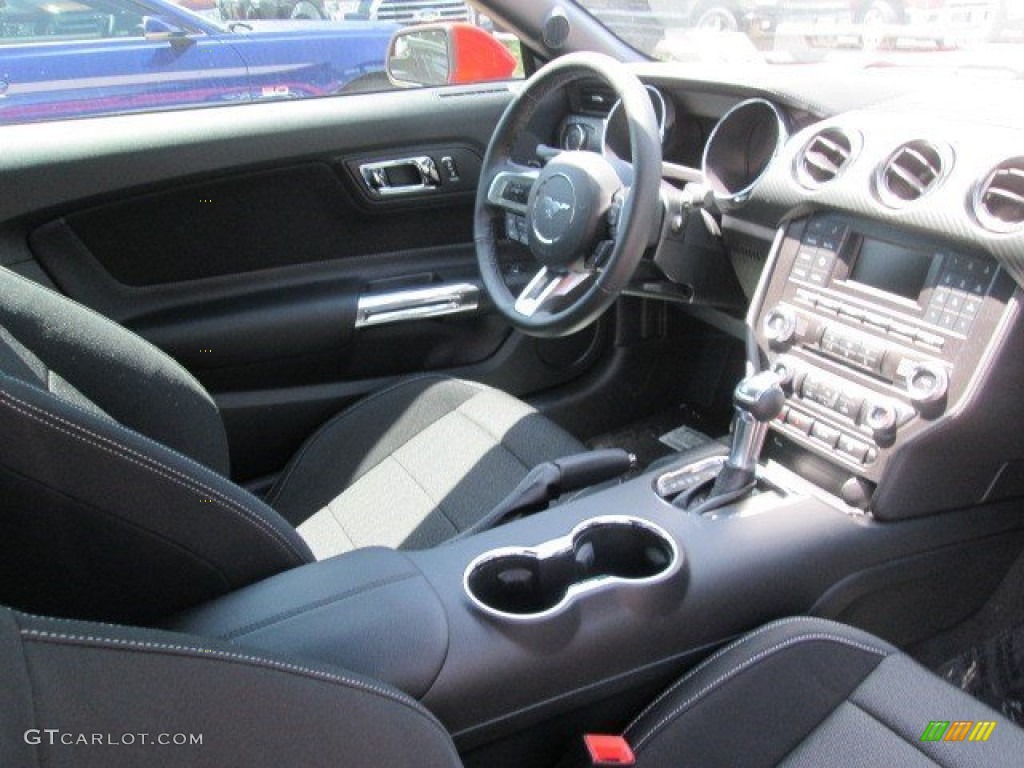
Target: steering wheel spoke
547,288
510,188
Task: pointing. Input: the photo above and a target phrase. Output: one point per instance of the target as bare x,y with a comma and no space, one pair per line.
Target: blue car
78,58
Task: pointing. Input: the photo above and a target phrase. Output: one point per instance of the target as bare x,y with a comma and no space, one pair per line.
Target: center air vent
999,199
910,173
824,158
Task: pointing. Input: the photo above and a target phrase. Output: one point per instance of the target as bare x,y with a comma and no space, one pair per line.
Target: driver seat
114,470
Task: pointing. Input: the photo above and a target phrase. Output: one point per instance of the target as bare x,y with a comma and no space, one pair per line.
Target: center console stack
880,338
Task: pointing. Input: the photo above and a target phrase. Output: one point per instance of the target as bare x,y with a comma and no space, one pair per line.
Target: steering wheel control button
515,228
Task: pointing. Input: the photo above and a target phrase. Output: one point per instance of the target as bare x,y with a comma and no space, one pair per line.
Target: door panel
252,277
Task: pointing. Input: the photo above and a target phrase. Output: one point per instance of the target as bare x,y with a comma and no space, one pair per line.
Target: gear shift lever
758,400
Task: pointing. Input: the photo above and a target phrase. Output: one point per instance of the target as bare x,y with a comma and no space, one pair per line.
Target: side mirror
159,29
447,54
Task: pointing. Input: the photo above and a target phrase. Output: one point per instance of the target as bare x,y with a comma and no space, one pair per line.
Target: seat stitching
499,440
900,736
31,687
437,504
337,521
111,420
60,638
178,546
124,452
755,659
709,661
278,489
338,597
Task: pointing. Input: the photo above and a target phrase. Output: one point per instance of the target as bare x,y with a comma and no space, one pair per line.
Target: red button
608,750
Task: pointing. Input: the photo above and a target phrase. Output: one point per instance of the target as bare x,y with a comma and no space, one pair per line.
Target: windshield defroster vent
999,198
911,172
825,157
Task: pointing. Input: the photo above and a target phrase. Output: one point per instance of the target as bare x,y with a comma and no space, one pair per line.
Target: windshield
984,36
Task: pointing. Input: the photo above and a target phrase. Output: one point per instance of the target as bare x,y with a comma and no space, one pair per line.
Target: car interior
634,412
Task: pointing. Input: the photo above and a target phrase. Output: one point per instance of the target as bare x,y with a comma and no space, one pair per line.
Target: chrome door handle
405,176
416,303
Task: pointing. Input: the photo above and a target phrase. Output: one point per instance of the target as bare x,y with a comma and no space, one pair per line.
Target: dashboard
876,251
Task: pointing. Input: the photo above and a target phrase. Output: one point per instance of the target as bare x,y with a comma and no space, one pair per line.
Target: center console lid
370,611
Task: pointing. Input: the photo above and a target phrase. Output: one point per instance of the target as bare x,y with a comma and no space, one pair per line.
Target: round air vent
825,157
999,198
911,172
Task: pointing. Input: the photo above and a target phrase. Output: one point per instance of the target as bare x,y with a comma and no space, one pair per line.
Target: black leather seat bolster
125,376
812,692
168,534
247,708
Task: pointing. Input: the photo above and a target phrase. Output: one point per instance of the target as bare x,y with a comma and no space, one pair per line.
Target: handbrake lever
549,480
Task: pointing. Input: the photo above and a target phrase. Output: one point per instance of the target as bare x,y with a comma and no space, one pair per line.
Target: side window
23,21
63,59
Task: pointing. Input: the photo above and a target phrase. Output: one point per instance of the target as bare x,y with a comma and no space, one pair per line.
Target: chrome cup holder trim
566,544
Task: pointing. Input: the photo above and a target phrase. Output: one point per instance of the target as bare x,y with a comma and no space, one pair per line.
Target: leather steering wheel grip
639,211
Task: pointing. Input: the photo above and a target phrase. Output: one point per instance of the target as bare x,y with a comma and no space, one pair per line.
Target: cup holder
529,583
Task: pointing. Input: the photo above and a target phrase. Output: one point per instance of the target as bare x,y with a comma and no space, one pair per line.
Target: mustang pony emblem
551,207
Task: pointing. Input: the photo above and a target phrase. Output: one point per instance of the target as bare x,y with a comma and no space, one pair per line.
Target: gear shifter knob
758,400
761,395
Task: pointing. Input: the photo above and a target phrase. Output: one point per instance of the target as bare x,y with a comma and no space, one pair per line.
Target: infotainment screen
891,268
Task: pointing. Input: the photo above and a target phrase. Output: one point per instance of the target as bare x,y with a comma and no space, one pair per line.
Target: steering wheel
588,217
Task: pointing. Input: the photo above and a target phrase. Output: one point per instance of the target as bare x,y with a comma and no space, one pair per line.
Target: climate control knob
881,417
779,324
927,382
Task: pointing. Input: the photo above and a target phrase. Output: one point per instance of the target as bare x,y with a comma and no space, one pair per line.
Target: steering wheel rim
573,208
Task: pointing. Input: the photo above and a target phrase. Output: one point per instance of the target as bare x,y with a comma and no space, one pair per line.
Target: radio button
876,322
955,302
972,306
855,449
805,256
948,319
800,272
800,421
939,297
817,277
963,325
933,315
930,339
849,405
825,434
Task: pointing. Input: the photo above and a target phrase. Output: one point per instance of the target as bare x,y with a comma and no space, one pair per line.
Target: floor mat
993,671
654,437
